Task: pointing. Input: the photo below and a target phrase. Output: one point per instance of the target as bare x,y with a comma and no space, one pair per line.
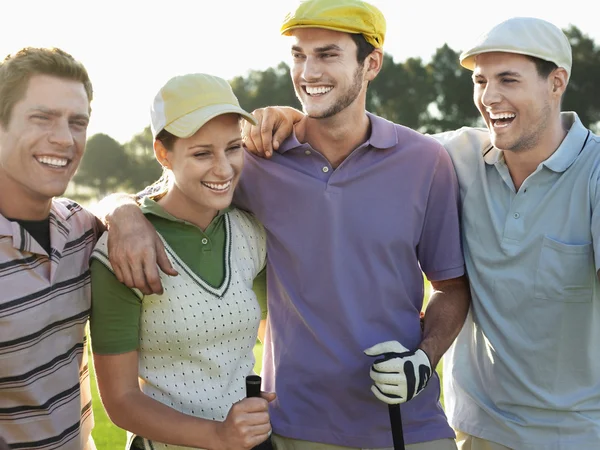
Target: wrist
213,433
429,354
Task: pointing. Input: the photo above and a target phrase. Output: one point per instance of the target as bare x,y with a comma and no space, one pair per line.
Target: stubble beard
533,135
343,102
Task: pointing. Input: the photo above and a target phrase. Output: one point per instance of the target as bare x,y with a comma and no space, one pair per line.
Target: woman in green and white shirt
171,368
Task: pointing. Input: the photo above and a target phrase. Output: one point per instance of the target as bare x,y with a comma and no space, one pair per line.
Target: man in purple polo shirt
355,209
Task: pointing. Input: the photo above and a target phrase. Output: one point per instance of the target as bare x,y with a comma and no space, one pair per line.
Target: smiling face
42,144
326,75
517,104
205,169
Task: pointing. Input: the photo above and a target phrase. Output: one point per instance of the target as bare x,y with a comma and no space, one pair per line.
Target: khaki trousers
283,443
467,442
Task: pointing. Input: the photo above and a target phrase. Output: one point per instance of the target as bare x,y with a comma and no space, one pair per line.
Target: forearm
146,417
445,315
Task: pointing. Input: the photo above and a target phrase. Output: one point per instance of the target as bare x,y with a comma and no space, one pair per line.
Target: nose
490,95
312,69
61,134
222,166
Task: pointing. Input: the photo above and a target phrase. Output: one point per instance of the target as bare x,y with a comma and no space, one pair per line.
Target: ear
373,62
162,154
558,81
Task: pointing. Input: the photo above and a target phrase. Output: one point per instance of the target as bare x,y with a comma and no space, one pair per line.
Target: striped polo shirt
45,398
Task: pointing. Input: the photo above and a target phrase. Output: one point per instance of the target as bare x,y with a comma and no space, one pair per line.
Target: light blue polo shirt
525,369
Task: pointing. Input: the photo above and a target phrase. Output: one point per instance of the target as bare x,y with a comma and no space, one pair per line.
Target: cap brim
186,126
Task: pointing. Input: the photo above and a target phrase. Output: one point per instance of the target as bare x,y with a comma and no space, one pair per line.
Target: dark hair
159,188
544,68
364,49
167,139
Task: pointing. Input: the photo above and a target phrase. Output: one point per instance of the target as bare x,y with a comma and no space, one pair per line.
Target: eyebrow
208,146
506,73
325,48
57,113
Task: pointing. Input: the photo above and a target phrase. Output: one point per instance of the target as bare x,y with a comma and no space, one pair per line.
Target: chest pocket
565,272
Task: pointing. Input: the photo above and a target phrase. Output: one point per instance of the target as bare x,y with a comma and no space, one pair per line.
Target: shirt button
516,215
204,241
325,169
307,152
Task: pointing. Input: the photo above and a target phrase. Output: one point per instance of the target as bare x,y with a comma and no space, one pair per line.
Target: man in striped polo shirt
45,243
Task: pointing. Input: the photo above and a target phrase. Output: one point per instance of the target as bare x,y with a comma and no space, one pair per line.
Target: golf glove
399,374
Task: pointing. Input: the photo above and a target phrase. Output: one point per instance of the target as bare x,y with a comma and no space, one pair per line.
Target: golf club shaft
396,422
253,390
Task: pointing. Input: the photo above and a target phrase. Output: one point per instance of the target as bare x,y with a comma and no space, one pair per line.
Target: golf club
396,422
253,390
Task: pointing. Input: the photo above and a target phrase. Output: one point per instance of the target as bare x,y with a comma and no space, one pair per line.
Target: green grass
109,437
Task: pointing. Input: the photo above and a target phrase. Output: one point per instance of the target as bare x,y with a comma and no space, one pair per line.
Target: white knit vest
196,340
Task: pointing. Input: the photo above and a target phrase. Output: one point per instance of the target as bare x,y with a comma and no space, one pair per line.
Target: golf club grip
396,422
253,390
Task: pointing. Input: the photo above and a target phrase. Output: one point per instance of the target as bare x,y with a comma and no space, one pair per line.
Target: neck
335,137
181,207
15,203
523,163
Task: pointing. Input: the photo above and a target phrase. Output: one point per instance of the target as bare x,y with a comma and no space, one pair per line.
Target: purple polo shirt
345,251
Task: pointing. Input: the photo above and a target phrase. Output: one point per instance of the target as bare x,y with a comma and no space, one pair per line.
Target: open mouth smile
316,91
53,162
502,120
217,187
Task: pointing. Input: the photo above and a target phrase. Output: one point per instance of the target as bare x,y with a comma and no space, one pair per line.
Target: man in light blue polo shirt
524,372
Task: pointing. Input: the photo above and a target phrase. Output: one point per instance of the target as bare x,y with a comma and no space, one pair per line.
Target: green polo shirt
116,309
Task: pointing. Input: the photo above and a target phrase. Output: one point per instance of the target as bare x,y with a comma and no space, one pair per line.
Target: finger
139,279
386,399
391,390
246,139
284,129
270,121
163,260
127,276
118,272
386,347
150,276
387,378
253,405
261,429
268,396
255,133
393,365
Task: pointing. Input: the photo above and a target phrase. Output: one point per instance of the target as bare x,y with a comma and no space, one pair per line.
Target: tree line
429,97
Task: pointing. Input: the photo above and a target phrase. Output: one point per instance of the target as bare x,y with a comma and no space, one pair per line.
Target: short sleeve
116,311
439,250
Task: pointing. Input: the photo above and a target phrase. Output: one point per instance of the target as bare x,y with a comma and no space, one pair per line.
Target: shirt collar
383,135
565,154
571,146
59,213
149,206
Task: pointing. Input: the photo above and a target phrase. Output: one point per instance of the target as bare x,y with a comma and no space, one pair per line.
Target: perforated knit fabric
196,340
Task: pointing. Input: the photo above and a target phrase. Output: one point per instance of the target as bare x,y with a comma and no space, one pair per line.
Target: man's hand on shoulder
275,124
135,250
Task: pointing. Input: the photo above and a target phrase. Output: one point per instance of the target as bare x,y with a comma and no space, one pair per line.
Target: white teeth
502,116
58,162
218,187
318,90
